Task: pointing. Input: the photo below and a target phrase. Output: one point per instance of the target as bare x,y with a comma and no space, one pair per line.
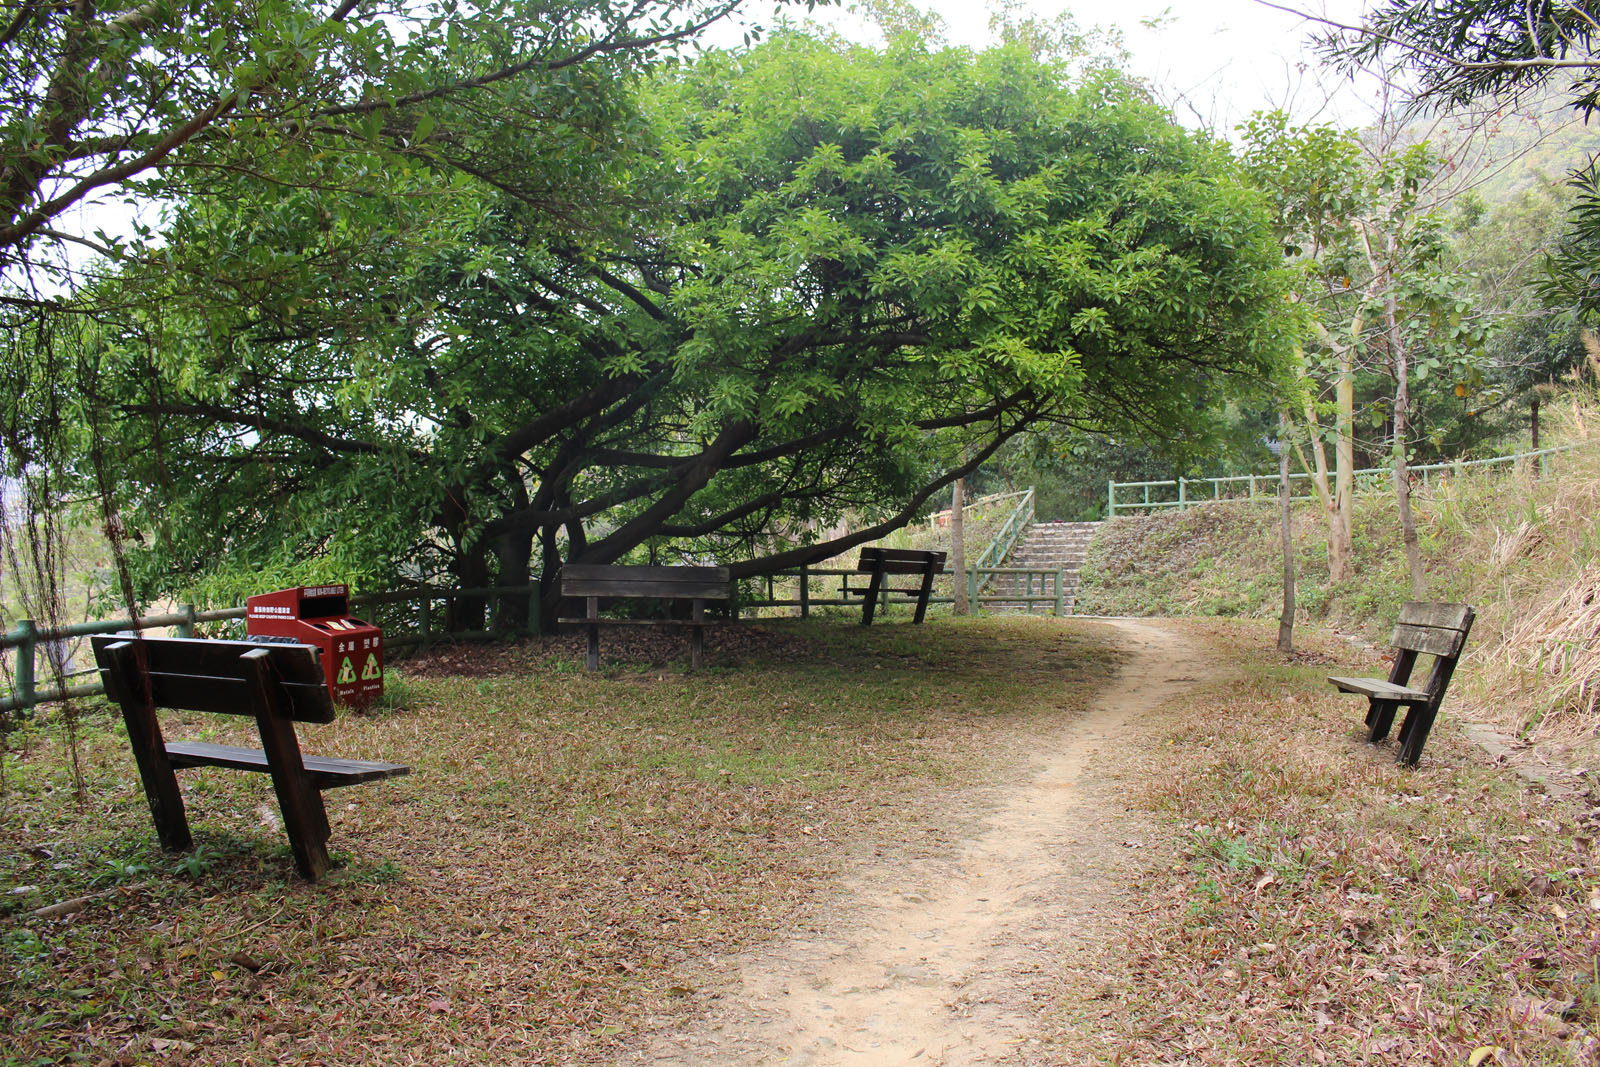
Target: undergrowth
1522,546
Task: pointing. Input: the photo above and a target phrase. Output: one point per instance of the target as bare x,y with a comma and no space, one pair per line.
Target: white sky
1214,61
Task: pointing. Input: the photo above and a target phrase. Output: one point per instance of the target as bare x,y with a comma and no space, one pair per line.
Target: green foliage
814,278
1364,227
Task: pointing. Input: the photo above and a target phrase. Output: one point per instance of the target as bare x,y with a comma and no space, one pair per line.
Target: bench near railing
277,685
596,582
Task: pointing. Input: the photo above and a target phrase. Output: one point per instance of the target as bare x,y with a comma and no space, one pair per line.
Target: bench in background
879,563
602,581
1435,629
277,684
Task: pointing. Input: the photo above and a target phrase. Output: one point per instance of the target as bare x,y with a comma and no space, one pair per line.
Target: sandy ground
950,958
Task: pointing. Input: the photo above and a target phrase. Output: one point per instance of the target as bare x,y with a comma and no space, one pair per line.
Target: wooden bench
1437,629
880,562
601,581
278,684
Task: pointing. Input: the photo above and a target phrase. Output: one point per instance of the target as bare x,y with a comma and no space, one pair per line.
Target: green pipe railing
1183,493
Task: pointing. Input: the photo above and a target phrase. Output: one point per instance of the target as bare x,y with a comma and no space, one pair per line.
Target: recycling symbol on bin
347,672
371,672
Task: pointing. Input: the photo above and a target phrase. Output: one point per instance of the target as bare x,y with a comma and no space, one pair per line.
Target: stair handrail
999,546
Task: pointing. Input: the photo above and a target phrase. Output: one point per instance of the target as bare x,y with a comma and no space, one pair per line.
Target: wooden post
1061,590
186,627
1286,616
805,591
958,546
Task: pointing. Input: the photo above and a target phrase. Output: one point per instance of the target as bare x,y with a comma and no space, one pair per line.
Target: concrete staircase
1047,546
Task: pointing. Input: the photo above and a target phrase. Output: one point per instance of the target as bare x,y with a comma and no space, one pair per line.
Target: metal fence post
26,635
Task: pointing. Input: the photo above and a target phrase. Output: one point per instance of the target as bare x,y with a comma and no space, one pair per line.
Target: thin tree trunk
1402,476
1345,458
1286,619
958,544
1339,547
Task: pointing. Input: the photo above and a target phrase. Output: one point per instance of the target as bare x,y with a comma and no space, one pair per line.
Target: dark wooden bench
1435,629
277,684
878,563
602,581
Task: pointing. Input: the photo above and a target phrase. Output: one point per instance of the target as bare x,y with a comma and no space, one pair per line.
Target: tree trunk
471,571
514,553
1402,476
958,544
1286,618
1339,548
1345,457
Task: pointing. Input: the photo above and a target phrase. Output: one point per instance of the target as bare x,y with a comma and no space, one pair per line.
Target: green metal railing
417,622
1182,493
1000,546
27,640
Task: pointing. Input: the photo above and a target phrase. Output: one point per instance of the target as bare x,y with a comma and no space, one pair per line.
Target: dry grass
1327,906
568,855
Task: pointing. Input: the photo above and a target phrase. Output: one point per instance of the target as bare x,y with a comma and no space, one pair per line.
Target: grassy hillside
1524,548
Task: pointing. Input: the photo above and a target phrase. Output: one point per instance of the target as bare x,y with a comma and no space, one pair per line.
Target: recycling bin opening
319,615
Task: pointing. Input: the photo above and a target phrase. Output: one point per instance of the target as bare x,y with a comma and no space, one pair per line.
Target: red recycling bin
352,650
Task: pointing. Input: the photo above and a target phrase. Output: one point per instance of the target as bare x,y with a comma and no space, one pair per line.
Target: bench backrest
1438,629
604,579
189,674
900,560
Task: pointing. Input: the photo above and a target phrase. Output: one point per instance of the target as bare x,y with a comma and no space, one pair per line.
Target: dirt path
944,960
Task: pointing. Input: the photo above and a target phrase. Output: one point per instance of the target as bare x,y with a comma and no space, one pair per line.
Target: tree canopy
144,101
828,278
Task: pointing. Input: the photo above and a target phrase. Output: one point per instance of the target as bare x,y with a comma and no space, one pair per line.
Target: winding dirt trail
947,959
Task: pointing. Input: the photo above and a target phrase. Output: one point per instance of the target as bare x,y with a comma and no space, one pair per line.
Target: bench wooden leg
1380,717
1414,733
593,614
305,819
697,636
924,593
870,601
150,751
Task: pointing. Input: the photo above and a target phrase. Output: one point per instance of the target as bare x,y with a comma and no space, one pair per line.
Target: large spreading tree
826,278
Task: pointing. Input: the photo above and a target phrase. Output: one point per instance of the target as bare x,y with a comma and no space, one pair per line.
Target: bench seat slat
1382,689
326,772
604,621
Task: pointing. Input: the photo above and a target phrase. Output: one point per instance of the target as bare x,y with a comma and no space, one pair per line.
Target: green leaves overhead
701,314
